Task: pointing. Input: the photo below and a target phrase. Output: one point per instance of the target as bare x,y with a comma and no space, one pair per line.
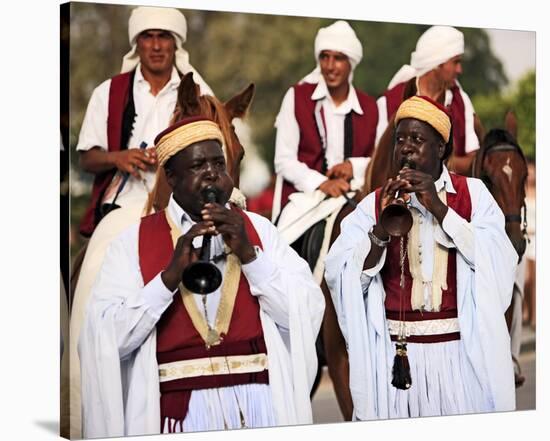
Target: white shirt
153,114
471,141
288,139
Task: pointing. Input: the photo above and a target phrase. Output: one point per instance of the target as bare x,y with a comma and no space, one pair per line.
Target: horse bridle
477,167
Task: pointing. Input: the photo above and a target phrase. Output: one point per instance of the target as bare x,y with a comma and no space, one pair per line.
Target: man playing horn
435,66
127,111
423,315
156,357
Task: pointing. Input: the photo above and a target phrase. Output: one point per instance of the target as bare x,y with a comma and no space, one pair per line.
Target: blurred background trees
231,50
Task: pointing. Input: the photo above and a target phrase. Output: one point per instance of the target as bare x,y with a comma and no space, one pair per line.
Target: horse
499,162
189,103
502,166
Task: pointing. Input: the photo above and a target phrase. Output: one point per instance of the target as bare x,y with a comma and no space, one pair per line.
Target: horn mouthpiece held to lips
210,194
408,163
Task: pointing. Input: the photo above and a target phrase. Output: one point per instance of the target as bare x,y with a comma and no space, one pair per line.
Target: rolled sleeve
93,132
286,150
471,139
359,166
313,181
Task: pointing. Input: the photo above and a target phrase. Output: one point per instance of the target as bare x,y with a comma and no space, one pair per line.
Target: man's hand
231,226
335,187
344,171
184,254
423,185
133,160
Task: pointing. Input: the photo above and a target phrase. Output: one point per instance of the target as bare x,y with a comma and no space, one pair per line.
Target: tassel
401,371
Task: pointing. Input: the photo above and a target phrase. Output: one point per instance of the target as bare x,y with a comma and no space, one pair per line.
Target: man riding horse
127,111
325,135
433,71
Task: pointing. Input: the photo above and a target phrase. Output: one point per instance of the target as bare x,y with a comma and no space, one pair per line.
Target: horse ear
188,96
511,123
238,105
410,89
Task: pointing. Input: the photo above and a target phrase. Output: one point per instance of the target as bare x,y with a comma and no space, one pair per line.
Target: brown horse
507,187
189,103
500,163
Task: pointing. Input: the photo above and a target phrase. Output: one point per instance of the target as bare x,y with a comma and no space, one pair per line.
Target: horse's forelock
220,116
212,108
498,136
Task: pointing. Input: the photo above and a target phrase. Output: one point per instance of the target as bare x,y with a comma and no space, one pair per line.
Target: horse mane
212,108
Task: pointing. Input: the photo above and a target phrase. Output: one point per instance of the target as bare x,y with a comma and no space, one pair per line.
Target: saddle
308,246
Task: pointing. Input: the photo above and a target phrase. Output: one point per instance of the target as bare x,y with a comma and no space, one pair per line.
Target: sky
516,50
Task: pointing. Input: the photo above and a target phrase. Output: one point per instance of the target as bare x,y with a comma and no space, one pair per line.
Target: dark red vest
391,271
177,338
310,150
118,98
394,97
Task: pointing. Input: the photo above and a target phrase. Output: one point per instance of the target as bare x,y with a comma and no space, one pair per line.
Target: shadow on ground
49,426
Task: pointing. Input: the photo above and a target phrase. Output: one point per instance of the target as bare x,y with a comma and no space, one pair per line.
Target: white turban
167,19
434,47
339,37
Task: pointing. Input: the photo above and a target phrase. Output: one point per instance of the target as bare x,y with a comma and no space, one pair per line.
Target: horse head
501,164
191,103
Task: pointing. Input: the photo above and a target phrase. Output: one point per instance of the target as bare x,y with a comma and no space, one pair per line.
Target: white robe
484,286
117,346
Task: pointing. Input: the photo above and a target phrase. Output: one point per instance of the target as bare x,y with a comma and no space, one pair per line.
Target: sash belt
223,365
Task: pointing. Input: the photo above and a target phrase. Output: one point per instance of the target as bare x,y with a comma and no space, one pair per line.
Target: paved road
325,407
526,394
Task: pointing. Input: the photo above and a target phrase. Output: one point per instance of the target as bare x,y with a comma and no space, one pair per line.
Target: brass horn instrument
202,276
396,218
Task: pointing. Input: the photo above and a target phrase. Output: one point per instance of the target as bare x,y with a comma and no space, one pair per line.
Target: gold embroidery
236,364
229,290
